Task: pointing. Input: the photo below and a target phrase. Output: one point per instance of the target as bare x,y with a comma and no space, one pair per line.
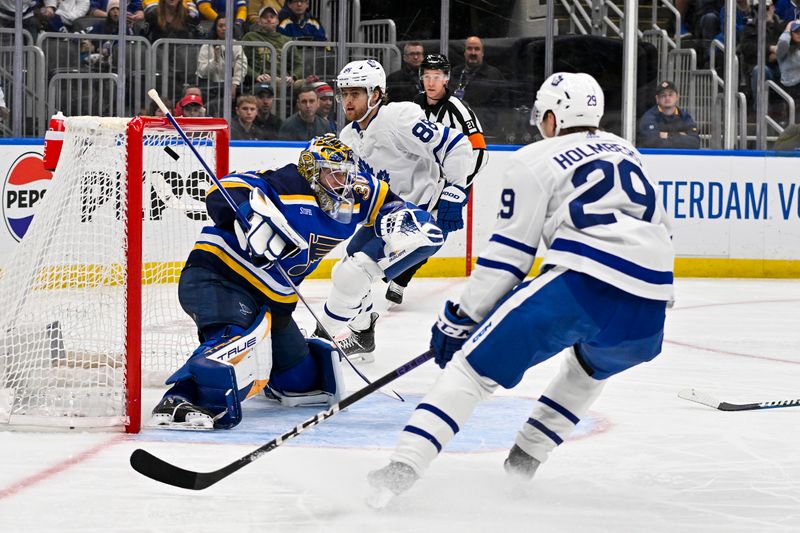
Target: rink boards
735,213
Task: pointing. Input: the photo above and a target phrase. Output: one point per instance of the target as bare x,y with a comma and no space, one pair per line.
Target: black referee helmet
435,62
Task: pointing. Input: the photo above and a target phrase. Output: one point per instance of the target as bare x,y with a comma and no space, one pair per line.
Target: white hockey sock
363,320
441,414
350,294
566,399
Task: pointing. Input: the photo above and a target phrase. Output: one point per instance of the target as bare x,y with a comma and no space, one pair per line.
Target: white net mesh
64,296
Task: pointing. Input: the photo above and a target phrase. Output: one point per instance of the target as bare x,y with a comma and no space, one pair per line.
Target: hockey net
89,307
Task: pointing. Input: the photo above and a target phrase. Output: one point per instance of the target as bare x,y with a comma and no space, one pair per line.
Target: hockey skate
520,464
174,412
394,294
388,482
358,345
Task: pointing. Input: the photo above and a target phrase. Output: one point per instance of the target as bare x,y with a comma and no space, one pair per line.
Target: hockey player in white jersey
600,298
440,105
424,162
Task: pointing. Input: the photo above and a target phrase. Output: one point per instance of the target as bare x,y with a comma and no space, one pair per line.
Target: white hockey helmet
574,99
366,73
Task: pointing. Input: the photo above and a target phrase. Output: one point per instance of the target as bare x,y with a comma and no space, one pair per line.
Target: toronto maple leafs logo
558,79
364,167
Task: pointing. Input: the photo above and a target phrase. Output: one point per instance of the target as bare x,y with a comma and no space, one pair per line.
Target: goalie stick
153,94
706,399
151,466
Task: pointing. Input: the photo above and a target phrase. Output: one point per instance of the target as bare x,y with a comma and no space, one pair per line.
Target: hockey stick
151,466
706,399
153,94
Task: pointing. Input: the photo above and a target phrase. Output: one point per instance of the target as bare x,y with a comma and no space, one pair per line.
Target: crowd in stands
156,19
256,80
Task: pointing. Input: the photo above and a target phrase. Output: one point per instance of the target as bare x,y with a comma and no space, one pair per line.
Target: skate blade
362,357
198,424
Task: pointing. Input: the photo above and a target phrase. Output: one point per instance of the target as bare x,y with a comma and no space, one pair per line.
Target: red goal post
90,307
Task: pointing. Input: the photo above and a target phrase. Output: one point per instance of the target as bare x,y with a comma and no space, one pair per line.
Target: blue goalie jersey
218,249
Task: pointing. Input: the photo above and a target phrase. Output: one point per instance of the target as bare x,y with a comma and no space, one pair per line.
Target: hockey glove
451,204
270,236
407,228
449,333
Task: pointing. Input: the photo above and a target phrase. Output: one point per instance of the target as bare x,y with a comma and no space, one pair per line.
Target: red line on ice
59,467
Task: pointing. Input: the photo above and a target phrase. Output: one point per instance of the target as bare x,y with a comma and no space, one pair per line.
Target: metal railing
701,104
321,59
84,93
33,83
773,87
680,62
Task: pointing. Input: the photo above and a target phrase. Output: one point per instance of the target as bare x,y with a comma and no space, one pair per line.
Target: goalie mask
328,165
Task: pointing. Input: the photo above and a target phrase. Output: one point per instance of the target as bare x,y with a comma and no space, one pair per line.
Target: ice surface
644,460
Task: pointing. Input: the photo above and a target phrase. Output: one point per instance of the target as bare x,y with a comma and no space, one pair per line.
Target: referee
440,105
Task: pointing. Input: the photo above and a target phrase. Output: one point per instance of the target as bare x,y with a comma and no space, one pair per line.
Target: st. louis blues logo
318,247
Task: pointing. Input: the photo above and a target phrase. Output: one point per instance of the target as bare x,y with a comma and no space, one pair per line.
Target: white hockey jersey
415,156
589,200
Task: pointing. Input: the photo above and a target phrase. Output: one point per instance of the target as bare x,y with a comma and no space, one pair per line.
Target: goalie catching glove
403,226
451,205
449,333
270,236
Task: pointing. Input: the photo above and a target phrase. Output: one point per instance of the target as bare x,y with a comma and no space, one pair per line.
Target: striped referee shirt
455,113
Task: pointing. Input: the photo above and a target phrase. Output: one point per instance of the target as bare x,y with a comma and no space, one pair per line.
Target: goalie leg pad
316,380
226,370
352,279
565,401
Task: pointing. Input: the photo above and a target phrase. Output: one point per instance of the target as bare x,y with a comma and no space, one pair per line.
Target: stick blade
157,469
699,397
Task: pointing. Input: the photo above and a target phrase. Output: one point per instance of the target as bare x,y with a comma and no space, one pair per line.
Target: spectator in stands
30,22
154,111
295,21
325,94
100,8
211,62
789,139
213,9
58,15
192,106
788,9
260,59
265,120
703,19
254,8
748,47
111,23
170,19
665,125
403,85
742,12
481,85
187,90
4,112
788,53
305,124
243,127
98,56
